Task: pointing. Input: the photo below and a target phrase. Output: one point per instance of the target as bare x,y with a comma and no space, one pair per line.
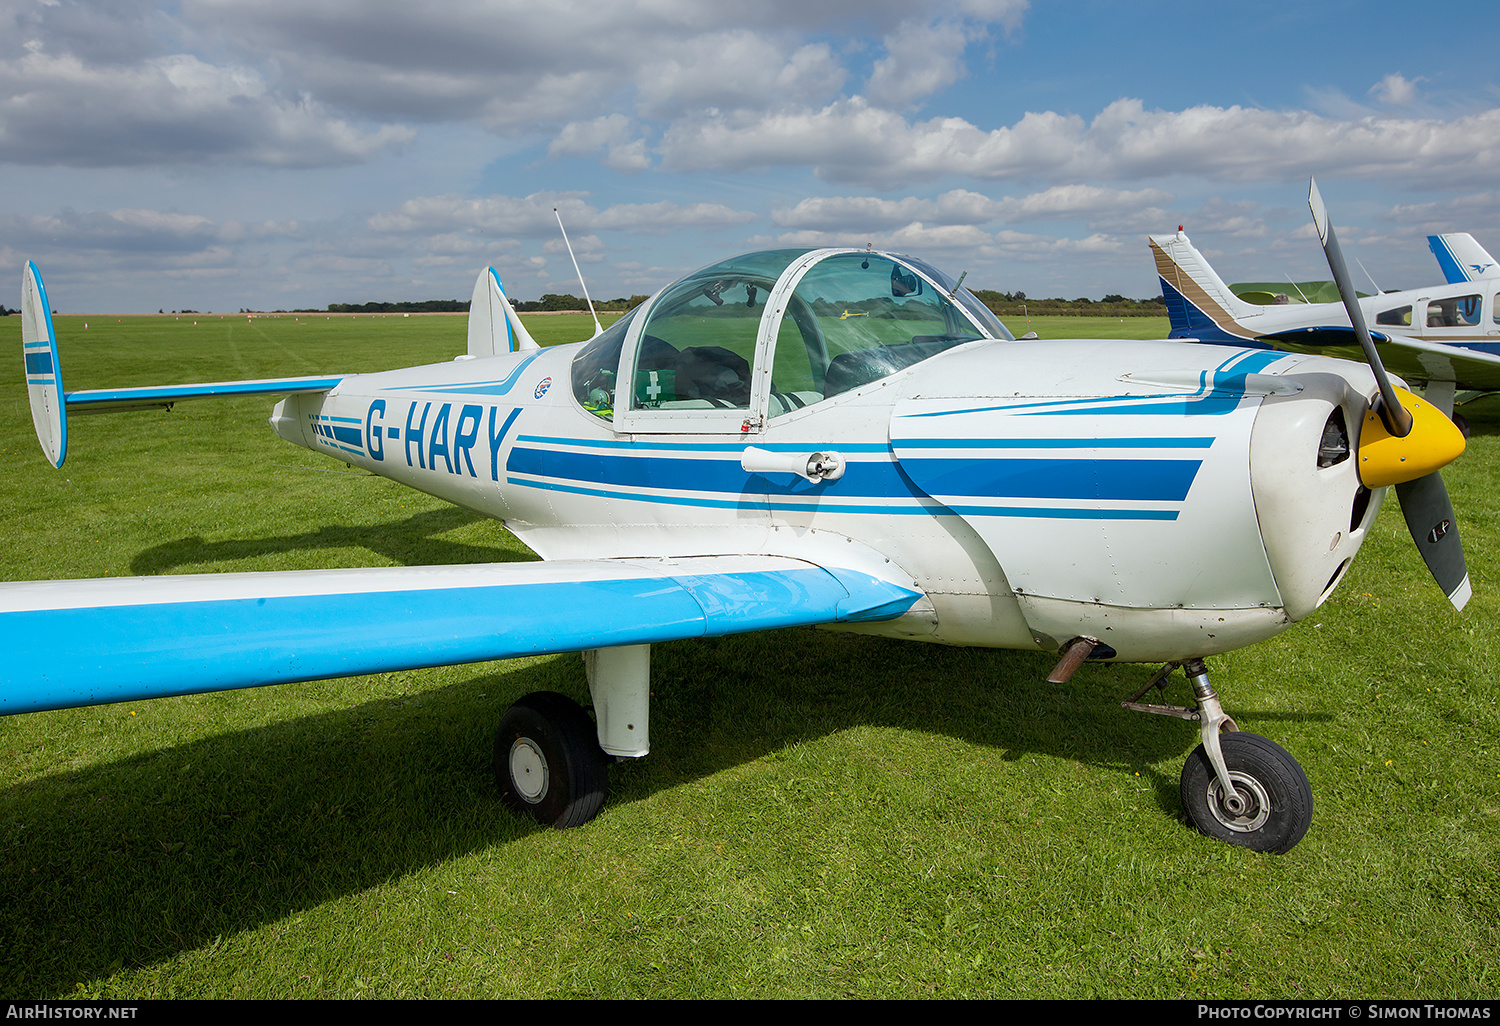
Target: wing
1414,359
89,642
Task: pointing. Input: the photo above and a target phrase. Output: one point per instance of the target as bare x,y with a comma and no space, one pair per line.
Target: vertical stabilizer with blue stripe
1199,304
493,324
1462,258
43,374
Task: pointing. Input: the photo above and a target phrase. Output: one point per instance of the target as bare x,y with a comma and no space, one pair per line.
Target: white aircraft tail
43,375
1461,258
50,405
1199,304
493,325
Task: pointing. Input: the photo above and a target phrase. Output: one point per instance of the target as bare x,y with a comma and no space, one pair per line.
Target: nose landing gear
1240,788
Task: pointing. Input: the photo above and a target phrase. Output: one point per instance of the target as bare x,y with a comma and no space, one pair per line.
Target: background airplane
1446,336
737,455
1462,258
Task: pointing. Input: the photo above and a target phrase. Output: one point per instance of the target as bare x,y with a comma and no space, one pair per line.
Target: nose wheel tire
548,763
1271,807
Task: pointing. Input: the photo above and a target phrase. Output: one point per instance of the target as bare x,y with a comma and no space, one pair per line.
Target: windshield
855,318
595,366
970,302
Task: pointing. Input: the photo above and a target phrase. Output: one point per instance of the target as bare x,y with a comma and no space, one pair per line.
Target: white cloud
961,206
516,64
853,141
1472,212
611,133
920,60
1396,90
532,215
1236,218
1074,201
129,231
57,109
735,70
289,83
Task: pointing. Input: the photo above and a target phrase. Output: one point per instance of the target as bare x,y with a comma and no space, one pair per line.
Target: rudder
1199,304
43,374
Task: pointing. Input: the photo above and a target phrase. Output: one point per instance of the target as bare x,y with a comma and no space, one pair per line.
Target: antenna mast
598,328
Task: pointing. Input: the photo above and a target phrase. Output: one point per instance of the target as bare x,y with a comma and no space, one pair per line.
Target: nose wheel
548,763
1270,807
1240,788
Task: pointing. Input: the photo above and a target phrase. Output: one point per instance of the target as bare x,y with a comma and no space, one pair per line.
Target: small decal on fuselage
542,386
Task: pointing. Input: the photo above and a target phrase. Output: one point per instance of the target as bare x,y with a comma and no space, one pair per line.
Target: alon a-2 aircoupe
1446,337
737,455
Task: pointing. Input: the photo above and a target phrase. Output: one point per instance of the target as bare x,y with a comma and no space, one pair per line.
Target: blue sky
218,154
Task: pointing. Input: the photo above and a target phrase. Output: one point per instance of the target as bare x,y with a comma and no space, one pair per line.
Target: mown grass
822,815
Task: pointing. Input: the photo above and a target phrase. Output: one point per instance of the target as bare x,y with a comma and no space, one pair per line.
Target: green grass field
822,815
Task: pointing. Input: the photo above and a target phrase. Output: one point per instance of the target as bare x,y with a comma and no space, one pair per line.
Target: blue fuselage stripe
723,447
748,501
879,479
1123,479
1202,442
1150,480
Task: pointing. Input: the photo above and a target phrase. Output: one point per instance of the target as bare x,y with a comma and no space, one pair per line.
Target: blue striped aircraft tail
1462,258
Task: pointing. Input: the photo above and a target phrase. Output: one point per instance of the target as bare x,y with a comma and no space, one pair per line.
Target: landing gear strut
1240,788
552,761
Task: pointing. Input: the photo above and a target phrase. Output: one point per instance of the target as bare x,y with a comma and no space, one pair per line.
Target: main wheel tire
1276,794
548,763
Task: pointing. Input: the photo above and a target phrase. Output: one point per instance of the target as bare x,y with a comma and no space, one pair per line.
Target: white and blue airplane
1462,258
832,437
1446,337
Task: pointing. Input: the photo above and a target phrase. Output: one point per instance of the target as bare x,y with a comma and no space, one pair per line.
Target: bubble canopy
767,334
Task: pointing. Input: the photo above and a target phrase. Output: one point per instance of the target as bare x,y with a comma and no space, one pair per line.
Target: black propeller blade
1424,501
1429,518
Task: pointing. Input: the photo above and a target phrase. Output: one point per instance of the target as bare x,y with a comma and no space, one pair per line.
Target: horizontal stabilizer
112,400
89,642
50,405
1317,339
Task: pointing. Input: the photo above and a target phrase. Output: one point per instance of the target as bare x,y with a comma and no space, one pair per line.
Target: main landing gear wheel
1272,805
548,762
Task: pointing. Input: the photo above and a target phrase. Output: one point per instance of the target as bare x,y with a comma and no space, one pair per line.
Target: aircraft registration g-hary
738,454
1446,336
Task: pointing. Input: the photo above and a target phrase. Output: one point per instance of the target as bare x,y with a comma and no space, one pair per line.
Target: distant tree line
1002,303
6,313
549,302
425,306
1112,305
